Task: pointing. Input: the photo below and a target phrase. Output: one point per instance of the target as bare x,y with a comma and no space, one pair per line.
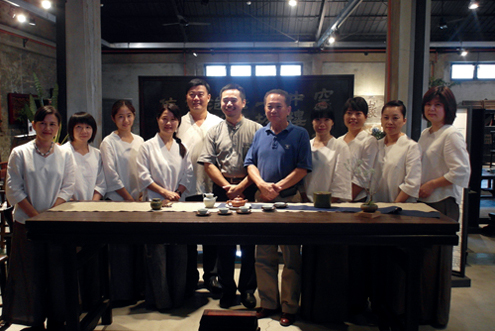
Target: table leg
413,288
71,288
106,318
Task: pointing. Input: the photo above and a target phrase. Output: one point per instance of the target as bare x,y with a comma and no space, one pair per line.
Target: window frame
253,68
475,73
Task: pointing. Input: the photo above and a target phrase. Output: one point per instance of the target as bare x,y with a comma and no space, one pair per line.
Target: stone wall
17,65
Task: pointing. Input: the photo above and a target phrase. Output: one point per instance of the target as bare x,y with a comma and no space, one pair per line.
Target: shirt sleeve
457,160
341,182
69,179
14,189
305,158
412,180
187,173
368,155
252,154
208,154
143,161
109,158
101,186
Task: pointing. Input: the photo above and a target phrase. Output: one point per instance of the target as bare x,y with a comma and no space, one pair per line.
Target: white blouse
397,168
193,137
330,172
39,179
364,147
166,168
89,173
444,153
119,165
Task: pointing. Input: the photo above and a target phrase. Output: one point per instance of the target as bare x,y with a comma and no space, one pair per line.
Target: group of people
200,152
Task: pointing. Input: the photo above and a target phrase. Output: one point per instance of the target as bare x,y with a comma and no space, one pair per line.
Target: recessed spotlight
292,3
21,18
473,4
46,4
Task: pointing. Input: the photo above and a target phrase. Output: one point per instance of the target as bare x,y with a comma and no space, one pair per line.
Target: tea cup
224,210
203,211
244,209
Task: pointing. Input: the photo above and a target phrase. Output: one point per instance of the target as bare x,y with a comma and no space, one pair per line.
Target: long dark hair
175,110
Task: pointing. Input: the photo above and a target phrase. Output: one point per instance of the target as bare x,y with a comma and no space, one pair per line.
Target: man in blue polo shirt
277,161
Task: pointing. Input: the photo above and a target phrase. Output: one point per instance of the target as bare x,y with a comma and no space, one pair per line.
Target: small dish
268,207
280,205
202,213
223,213
243,212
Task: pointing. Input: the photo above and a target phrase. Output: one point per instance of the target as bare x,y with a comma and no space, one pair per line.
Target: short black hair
44,111
357,104
446,97
198,82
283,93
322,110
234,87
396,103
82,118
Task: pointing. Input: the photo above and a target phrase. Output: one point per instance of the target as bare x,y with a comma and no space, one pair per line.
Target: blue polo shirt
277,155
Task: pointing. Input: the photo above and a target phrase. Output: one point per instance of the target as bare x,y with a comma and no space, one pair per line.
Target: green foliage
39,90
439,82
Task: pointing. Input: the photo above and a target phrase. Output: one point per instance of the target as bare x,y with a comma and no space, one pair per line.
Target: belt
234,180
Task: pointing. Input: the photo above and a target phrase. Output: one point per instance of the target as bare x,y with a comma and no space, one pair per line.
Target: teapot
209,200
237,202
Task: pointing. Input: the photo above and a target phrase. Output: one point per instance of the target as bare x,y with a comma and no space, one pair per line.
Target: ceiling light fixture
248,3
21,18
292,3
463,52
442,25
473,4
331,40
46,4
195,54
32,21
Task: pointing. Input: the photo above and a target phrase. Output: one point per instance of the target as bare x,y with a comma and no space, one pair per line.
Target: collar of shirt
236,126
268,128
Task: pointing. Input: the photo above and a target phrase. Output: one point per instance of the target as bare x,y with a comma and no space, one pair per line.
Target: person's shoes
214,285
287,319
265,312
227,301
248,300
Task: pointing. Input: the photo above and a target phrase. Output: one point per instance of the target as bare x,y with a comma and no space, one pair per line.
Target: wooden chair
3,174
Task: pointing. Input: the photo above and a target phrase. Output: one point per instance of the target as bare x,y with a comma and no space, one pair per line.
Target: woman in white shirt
362,145
325,268
398,162
40,175
446,170
119,152
329,157
90,178
165,172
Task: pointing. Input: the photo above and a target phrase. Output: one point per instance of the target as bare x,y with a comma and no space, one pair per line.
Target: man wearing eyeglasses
277,161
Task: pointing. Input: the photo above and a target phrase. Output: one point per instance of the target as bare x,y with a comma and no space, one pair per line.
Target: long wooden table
72,229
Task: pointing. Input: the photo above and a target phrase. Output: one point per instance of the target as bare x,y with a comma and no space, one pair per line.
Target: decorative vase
369,207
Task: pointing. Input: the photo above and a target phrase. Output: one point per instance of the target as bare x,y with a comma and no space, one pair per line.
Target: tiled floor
472,308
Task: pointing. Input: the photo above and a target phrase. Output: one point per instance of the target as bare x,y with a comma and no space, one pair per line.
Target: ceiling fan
181,20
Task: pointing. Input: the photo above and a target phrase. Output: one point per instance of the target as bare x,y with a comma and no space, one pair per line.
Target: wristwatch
178,192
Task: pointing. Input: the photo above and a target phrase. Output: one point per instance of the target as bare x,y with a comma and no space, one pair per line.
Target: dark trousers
227,254
209,260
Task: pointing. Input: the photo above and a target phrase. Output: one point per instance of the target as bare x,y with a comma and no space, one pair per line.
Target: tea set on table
238,204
